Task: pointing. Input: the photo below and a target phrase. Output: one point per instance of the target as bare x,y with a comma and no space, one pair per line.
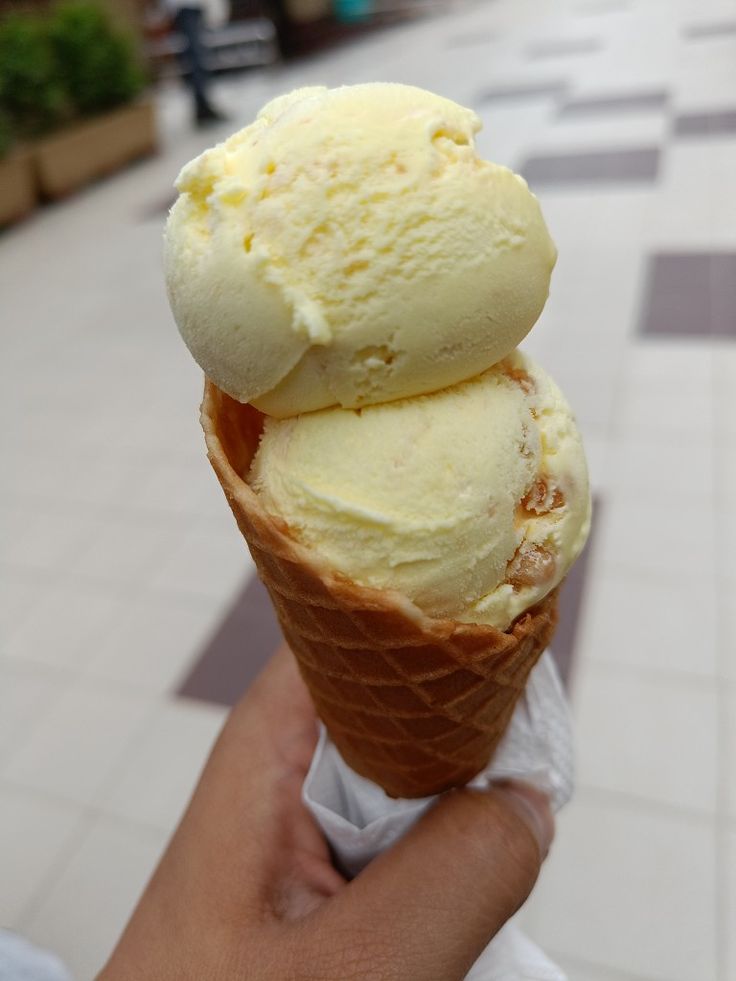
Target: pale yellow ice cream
472,501
350,247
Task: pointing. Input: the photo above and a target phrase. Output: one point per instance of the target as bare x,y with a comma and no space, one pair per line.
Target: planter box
18,192
72,158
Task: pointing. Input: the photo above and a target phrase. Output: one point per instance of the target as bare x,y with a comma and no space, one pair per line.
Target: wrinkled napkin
360,820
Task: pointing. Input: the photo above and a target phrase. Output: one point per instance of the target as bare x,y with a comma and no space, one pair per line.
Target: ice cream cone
414,703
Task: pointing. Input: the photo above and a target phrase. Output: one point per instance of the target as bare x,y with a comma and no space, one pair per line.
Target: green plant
97,63
31,95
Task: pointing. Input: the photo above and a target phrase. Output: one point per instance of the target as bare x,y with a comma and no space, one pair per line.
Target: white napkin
360,820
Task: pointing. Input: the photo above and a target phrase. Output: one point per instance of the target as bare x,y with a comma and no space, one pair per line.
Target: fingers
276,715
433,902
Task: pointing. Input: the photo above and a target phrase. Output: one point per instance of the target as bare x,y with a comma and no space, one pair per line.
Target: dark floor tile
723,294
677,295
700,124
625,103
553,89
572,595
603,166
159,208
244,641
699,32
564,48
690,295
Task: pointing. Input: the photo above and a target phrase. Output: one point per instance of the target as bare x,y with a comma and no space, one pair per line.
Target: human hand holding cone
414,630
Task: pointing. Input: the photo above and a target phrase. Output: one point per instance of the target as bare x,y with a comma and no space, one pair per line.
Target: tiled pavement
123,581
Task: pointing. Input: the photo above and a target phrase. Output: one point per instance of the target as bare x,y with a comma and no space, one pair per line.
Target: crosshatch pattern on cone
414,703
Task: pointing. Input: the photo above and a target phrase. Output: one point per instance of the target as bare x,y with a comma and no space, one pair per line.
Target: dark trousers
188,22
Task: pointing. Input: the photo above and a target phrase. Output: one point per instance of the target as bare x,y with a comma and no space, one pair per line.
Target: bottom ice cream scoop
472,501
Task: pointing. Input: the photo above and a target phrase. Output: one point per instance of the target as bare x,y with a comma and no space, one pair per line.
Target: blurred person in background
190,18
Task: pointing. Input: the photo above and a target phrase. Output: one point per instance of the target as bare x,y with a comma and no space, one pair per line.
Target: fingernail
532,808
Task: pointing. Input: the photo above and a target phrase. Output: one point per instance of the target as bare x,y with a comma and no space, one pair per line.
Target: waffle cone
414,703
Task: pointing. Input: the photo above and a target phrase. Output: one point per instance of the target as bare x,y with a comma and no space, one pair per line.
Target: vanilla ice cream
472,501
349,248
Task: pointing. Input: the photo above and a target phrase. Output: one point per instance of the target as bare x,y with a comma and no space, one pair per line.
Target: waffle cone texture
414,703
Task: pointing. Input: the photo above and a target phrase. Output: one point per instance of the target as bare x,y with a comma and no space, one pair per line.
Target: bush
31,94
97,64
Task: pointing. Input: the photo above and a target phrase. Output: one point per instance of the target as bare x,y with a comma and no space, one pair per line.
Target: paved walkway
121,567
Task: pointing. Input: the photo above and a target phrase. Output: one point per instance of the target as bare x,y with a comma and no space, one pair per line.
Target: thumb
429,905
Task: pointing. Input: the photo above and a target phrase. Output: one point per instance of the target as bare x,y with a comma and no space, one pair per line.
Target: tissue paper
360,820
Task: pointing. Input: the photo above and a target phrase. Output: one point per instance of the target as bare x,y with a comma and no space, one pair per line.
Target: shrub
31,95
97,64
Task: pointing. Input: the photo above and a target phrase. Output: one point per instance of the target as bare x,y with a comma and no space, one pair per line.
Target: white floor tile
724,373
725,517
663,468
578,970
125,552
704,73
728,757
18,592
598,456
161,769
176,489
49,541
686,175
84,911
80,741
668,755
654,623
630,890
657,537
727,625
35,834
26,692
205,563
684,415
725,470
623,217
728,917
153,639
100,483
13,519
64,627
667,366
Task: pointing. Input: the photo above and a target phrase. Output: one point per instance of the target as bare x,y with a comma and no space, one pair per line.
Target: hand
246,888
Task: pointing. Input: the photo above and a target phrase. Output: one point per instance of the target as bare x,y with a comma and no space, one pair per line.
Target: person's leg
188,22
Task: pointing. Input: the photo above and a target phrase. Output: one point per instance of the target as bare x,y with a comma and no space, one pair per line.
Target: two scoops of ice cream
354,281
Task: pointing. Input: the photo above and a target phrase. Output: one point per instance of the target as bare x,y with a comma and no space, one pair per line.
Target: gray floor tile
158,207
723,294
627,102
564,48
552,89
690,295
698,124
610,166
241,645
698,32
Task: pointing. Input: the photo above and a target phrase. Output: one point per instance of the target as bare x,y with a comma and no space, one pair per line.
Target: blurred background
126,593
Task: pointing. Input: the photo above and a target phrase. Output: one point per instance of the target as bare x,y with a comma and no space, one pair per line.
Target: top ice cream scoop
351,248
